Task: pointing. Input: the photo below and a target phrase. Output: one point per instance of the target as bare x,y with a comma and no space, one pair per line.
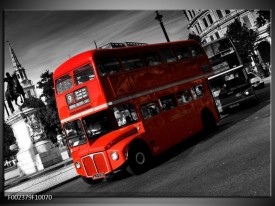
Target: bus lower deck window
148,110
184,97
125,114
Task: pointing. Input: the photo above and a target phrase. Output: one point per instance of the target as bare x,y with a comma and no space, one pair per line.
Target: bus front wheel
138,160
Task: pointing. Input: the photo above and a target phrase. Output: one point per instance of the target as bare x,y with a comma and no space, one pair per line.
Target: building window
219,13
217,35
210,19
198,28
227,11
247,22
29,94
205,22
190,13
21,75
212,38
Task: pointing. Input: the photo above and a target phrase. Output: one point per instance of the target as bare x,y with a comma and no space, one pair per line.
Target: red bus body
145,81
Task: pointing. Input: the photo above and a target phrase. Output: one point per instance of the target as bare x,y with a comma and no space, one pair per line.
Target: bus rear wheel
138,160
90,181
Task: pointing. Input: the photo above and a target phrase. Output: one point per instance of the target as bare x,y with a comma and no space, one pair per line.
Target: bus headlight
114,156
77,165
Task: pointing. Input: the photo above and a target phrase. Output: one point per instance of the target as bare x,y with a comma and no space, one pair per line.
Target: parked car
256,81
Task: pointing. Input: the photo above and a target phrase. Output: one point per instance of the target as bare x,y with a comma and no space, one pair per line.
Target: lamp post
159,18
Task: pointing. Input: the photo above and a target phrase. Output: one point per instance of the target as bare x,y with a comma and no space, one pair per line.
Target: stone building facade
212,24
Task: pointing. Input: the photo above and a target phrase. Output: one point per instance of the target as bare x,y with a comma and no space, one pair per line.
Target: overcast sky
42,40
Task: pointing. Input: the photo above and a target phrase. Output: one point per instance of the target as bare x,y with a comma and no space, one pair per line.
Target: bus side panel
185,69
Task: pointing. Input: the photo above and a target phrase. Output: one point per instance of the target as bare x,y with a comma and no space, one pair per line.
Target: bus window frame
165,97
100,60
152,52
147,104
75,72
196,47
182,93
69,77
133,120
68,138
163,57
190,57
123,68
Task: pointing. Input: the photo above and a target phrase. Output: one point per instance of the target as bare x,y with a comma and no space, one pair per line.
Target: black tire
139,159
90,181
208,121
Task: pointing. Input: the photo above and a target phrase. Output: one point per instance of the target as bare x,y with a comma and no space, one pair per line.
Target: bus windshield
96,125
75,133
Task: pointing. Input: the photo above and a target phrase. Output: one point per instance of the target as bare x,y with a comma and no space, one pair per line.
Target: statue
14,90
36,130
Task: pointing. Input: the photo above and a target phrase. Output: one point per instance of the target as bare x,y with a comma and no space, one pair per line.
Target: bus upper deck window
132,62
108,65
196,51
63,84
83,74
152,59
168,55
183,53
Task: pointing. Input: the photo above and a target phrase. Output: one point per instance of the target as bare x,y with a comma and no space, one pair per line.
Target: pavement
42,181
49,178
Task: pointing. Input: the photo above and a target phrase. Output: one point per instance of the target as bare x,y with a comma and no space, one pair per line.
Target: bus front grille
95,164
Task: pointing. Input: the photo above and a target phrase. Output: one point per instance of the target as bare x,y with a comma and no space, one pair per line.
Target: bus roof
84,57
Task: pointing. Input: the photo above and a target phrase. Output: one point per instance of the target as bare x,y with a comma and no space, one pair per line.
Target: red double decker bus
120,107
